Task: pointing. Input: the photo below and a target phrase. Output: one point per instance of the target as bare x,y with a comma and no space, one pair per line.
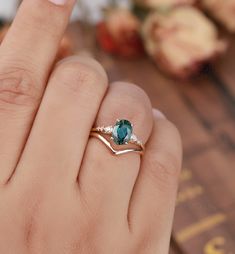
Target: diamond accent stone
108,130
134,138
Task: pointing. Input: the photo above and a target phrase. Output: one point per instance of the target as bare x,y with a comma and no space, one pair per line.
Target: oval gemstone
122,132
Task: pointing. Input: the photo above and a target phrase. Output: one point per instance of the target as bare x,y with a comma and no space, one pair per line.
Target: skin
61,191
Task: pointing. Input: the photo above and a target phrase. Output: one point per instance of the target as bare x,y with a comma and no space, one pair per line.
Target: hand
62,192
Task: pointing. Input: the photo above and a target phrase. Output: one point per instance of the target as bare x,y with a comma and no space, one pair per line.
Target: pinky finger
153,201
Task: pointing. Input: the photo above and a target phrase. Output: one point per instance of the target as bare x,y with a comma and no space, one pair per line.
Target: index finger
34,37
26,57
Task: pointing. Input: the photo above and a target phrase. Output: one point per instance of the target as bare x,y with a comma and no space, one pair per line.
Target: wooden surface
204,111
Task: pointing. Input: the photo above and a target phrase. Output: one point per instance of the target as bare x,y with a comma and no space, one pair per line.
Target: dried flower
181,40
163,4
119,33
223,11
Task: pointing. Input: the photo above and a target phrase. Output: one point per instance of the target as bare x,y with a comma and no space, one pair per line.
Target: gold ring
119,138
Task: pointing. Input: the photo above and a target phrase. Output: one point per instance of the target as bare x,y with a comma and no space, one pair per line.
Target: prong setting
121,134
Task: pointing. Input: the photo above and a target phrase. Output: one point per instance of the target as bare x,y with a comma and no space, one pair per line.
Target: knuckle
79,75
168,166
17,87
163,173
135,98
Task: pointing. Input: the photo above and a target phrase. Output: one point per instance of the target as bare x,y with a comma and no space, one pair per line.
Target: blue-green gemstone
122,132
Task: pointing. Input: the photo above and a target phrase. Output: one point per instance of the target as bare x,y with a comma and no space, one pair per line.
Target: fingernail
158,114
58,2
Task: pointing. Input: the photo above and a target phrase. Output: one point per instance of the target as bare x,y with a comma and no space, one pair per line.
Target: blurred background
182,53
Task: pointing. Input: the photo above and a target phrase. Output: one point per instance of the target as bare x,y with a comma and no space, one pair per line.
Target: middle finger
58,138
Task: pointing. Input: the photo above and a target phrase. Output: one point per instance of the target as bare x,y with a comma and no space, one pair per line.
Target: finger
62,127
153,201
106,181
26,56
33,39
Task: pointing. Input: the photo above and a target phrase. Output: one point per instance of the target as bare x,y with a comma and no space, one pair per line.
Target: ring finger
106,180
